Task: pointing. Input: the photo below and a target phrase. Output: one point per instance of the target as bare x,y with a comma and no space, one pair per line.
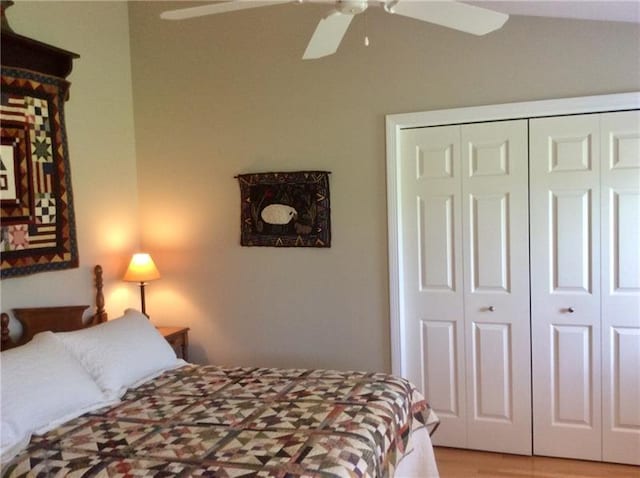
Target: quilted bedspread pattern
237,422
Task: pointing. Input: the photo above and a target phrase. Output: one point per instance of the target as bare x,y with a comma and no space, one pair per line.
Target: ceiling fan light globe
388,6
351,7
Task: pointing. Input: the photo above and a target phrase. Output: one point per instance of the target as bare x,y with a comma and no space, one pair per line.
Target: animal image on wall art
286,209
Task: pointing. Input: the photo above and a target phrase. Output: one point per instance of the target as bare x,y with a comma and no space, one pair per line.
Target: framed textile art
288,209
37,220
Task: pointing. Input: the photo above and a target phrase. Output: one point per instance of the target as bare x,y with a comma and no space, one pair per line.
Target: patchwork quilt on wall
37,228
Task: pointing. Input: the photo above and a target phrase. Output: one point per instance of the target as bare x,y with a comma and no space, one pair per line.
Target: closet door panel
431,274
496,298
439,366
570,241
565,285
492,387
489,243
620,168
571,382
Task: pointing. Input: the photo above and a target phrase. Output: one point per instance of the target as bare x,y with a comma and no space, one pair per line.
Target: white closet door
620,171
565,285
431,274
496,269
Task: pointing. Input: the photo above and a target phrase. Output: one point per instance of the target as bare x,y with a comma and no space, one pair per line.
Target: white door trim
396,122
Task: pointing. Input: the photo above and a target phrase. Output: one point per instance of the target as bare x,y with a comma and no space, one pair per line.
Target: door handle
491,308
571,310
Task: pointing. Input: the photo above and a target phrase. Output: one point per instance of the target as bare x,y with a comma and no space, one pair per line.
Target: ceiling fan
330,30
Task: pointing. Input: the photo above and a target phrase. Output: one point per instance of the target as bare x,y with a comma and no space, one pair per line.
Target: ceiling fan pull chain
366,37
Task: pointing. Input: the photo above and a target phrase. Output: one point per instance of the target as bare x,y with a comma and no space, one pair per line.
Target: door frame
397,122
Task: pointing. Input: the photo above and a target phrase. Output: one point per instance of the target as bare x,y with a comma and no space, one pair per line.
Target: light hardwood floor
454,463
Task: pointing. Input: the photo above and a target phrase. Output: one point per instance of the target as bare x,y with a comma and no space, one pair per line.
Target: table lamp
141,269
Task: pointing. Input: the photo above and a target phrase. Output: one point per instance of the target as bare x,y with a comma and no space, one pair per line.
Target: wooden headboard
56,319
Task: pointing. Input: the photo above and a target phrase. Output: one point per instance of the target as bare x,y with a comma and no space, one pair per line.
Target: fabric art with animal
289,209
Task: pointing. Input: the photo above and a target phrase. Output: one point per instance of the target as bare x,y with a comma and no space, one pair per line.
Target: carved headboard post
100,315
6,341
55,319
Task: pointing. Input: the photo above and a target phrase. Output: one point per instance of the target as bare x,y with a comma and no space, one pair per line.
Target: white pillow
121,352
43,385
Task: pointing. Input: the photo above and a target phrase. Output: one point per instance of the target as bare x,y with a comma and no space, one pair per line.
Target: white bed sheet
419,461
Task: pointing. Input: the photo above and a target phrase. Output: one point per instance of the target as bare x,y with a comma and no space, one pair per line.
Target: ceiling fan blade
327,36
219,7
452,14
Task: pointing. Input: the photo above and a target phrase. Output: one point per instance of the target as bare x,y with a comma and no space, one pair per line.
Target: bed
142,412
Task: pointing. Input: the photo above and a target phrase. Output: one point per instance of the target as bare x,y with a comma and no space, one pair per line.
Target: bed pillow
43,385
121,352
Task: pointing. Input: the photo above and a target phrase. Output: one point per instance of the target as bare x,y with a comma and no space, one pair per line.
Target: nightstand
178,338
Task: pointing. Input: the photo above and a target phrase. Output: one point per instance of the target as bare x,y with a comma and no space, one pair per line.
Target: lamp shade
141,269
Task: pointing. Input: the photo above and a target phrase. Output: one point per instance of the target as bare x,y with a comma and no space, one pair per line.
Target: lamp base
142,302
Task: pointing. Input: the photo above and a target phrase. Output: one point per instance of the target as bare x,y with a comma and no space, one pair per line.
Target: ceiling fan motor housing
351,7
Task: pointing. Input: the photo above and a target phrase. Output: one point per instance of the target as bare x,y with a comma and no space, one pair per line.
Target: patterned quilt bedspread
237,422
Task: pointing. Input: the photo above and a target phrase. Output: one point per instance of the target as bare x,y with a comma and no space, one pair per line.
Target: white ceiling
617,11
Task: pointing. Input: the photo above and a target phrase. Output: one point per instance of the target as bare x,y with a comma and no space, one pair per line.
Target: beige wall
223,95
219,96
99,118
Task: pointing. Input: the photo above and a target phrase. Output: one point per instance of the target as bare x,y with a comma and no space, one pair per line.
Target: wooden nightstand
178,338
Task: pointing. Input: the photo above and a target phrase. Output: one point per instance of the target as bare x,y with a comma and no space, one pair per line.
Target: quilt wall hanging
285,209
37,224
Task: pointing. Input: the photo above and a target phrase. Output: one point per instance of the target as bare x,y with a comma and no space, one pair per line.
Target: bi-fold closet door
465,280
585,285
